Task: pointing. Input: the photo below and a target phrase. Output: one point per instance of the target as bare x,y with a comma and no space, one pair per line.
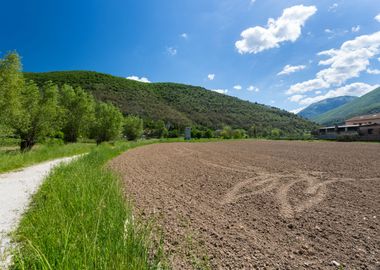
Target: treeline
33,113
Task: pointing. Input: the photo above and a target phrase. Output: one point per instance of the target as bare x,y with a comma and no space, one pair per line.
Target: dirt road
260,204
16,189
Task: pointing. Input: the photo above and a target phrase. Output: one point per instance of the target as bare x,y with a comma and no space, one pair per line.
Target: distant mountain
367,104
324,106
178,104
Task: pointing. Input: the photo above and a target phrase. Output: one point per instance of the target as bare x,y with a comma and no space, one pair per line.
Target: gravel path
16,189
260,204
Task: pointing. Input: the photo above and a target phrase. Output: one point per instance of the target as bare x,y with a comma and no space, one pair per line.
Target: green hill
367,104
178,104
323,106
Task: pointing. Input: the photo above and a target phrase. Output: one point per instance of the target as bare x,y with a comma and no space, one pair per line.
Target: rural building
364,120
364,128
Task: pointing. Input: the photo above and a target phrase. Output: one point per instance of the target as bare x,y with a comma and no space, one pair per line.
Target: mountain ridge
366,104
323,106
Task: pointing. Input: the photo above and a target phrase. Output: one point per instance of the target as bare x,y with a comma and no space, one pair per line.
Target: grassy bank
12,158
79,220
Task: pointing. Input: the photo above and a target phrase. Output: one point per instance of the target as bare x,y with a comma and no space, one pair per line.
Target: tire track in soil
258,205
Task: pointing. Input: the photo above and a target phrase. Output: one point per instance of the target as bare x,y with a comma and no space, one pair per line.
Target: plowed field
260,204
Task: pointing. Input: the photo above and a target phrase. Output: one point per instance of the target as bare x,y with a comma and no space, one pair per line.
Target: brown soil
260,204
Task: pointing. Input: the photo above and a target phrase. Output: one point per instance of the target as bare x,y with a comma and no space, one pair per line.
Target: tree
133,127
208,134
252,131
11,85
108,123
238,133
78,110
39,115
226,133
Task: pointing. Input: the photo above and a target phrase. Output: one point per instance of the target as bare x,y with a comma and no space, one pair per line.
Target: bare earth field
260,204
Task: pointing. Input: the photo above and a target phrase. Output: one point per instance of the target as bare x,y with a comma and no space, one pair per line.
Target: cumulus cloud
288,69
373,71
296,98
171,51
211,77
355,28
344,63
238,87
285,28
252,88
136,78
220,91
377,18
354,89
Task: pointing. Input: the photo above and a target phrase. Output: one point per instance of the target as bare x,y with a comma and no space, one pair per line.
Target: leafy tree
11,85
108,122
239,133
133,127
275,133
196,133
78,110
226,133
252,131
39,115
208,134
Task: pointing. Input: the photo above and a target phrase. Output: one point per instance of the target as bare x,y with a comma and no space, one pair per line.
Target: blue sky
286,54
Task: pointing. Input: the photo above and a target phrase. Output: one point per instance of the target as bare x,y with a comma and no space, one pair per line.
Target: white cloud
329,31
318,92
307,86
220,91
252,88
136,78
377,18
288,69
185,35
354,89
333,7
373,71
295,111
355,28
285,28
344,63
296,98
211,77
238,87
252,2
171,51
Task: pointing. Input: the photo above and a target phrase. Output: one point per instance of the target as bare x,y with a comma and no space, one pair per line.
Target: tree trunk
26,144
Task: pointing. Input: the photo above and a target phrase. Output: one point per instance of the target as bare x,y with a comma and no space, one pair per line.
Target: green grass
79,219
11,158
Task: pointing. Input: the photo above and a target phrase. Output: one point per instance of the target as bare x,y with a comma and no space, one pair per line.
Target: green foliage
226,133
180,105
108,123
11,85
39,114
208,134
79,220
133,127
239,134
367,104
78,110
252,131
276,133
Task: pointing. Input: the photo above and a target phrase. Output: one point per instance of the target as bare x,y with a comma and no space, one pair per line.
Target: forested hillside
367,104
179,105
323,106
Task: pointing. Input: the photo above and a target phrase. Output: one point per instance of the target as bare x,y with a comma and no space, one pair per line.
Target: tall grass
11,159
79,219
